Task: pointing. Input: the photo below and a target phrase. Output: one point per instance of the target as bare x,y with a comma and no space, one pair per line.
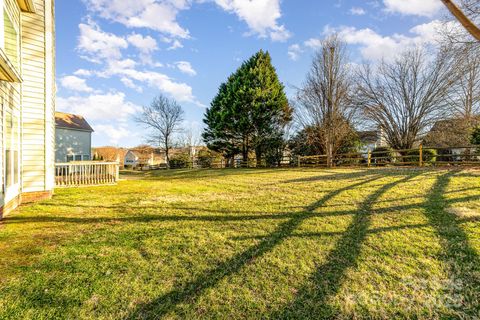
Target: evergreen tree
249,112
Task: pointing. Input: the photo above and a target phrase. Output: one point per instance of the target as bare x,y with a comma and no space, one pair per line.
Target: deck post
117,172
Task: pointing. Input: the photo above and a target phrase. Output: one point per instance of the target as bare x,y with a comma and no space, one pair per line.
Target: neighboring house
452,134
144,156
192,151
73,138
370,140
110,154
27,90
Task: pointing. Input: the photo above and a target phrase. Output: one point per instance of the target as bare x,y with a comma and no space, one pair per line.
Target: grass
280,244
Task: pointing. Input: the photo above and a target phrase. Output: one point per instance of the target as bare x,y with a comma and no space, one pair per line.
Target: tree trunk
329,150
245,151
167,156
258,156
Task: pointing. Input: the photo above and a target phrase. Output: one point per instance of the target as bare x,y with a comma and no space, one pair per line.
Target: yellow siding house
27,98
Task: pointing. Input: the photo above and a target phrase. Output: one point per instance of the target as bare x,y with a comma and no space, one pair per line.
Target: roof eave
27,6
74,129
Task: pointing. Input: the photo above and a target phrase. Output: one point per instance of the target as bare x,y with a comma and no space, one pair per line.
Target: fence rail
422,156
86,173
417,157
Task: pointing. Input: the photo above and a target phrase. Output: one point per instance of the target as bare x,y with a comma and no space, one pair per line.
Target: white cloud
145,44
116,66
106,48
260,15
180,91
176,44
426,8
75,83
130,84
313,43
374,46
294,51
185,67
126,70
83,73
97,45
158,15
115,133
357,11
109,106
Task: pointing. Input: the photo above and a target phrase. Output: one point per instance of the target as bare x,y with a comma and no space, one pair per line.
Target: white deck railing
86,173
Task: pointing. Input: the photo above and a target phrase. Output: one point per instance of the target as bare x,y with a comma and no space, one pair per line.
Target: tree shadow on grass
311,301
191,291
462,261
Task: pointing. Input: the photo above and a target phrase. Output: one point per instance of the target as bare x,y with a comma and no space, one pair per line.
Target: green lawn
238,244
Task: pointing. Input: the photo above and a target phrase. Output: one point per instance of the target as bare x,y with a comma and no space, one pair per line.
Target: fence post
420,156
369,158
298,161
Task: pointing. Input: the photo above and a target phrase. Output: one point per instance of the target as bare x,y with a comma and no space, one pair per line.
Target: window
9,46
10,39
78,157
12,175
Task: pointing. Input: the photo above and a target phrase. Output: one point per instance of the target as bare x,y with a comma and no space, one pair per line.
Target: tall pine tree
249,112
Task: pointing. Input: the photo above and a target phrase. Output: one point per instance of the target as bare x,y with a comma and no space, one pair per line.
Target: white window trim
83,157
8,71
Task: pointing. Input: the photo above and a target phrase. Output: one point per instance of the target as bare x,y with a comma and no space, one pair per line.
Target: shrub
206,158
475,139
445,155
428,155
181,160
382,155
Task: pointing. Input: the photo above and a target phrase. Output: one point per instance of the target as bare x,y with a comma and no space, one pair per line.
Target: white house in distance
27,91
370,140
73,138
144,156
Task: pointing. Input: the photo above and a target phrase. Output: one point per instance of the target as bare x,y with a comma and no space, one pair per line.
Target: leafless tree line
402,97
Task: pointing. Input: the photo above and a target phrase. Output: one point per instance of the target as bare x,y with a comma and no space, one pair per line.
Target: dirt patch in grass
464,212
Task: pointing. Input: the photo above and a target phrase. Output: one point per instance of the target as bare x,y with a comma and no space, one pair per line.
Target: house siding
38,103
33,100
10,99
72,142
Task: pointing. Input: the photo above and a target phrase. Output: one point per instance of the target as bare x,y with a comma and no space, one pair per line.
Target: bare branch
325,99
163,117
407,96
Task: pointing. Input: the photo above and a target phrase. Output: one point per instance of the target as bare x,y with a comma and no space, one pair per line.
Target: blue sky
113,56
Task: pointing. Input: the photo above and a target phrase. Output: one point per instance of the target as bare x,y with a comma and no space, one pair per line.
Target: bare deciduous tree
163,117
465,94
325,97
406,96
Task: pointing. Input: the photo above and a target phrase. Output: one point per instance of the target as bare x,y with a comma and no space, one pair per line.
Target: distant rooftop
71,121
